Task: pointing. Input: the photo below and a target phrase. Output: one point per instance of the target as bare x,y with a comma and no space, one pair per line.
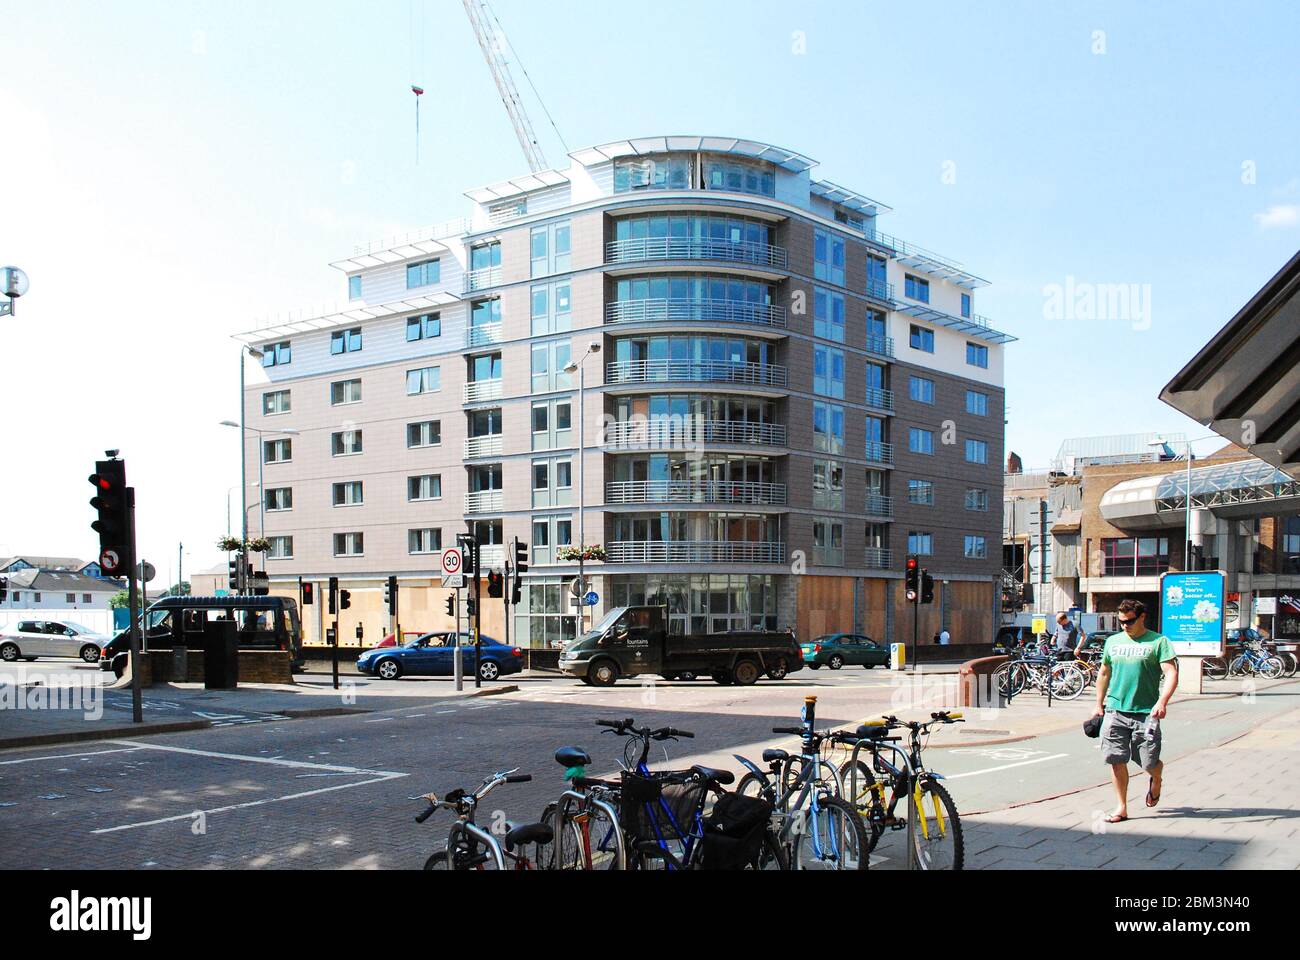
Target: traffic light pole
133,602
478,613
505,598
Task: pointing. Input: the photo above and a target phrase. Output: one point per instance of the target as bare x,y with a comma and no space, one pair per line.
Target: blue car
431,655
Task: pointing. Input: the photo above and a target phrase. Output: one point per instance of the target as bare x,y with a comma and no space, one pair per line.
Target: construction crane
488,40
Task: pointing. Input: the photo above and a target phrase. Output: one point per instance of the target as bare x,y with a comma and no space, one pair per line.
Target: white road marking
1005,766
299,764
379,719
66,756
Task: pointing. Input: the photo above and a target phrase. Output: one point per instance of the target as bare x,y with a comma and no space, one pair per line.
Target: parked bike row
793,811
1256,658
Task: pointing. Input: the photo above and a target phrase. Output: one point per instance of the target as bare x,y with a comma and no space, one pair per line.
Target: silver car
29,639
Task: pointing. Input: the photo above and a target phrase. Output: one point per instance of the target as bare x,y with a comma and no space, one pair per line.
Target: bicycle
584,819
818,829
936,840
1255,661
1037,672
469,846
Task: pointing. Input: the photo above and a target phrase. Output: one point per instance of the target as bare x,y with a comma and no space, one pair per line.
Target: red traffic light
911,563
101,483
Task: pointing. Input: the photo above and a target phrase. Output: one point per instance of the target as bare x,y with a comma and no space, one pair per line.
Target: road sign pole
505,598
478,613
458,664
133,601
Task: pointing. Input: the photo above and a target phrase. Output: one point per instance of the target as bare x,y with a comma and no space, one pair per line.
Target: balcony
695,248
675,433
877,558
880,290
485,446
880,345
878,451
694,491
477,391
484,501
485,334
878,505
721,371
695,551
880,399
689,310
482,278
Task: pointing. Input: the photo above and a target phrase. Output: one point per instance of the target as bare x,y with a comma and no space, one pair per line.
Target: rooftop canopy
1240,488
643,146
357,314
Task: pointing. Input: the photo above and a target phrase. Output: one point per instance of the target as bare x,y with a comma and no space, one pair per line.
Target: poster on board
1192,612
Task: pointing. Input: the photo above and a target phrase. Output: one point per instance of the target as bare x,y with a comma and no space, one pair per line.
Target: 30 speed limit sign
451,561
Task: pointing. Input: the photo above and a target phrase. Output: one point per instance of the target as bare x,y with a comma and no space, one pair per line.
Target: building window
423,274
921,492
917,289
85,598
920,441
349,544
427,486
275,402
424,380
828,258
828,315
549,249
828,427
281,548
552,308
424,540
37,596
345,341
977,355
828,372
279,498
965,305
277,451
548,363
977,403
877,284
977,451
345,443
977,500
1134,556
426,433
345,391
348,494
739,176
552,424
975,548
828,485
354,287
921,338
69,598
828,542
920,389
277,354
424,327
920,543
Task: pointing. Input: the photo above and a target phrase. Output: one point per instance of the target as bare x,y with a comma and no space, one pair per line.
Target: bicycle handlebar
520,778
797,731
421,817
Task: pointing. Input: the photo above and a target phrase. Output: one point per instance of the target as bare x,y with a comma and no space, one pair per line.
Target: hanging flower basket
230,544
593,552
259,544
235,545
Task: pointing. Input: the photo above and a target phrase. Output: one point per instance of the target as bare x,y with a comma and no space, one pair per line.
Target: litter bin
220,655
180,663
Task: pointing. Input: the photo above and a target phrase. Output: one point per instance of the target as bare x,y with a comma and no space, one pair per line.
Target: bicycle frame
585,800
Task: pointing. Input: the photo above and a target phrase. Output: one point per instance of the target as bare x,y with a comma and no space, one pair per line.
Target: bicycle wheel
439,861
751,785
1239,666
566,846
831,837
1289,663
1214,668
1271,668
867,795
1010,678
1067,681
937,833
772,856
599,836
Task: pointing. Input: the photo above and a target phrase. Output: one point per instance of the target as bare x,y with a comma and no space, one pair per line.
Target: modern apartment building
778,403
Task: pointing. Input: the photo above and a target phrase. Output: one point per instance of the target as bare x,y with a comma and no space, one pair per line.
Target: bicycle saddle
529,833
572,757
722,777
775,756
872,731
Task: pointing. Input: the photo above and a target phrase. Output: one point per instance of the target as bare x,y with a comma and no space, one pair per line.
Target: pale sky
174,173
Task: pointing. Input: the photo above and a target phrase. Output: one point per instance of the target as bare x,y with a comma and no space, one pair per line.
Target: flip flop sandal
1152,800
1115,819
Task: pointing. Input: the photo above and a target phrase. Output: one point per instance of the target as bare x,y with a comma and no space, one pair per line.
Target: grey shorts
1130,736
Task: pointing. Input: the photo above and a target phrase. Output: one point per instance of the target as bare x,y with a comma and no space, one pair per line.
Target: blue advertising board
1192,612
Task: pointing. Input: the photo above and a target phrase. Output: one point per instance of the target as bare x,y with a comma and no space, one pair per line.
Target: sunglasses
1128,623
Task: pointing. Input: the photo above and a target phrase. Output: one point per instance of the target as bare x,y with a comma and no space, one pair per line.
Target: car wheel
779,669
604,673
746,673
388,669
488,670
9,652
90,653
868,666
835,662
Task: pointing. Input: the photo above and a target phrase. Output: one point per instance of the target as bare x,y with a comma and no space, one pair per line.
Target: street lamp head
289,431
13,282
571,366
593,347
229,423
255,353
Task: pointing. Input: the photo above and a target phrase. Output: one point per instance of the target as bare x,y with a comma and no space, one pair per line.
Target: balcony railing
483,335
484,501
486,446
878,451
725,371
878,505
482,278
694,248
479,390
694,551
687,310
673,433
694,491
880,290
880,399
877,558
880,345
492,556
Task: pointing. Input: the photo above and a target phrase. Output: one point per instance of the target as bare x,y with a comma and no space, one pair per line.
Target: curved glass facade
689,171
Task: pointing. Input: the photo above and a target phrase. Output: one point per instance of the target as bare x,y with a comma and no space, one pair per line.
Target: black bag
734,831
1092,727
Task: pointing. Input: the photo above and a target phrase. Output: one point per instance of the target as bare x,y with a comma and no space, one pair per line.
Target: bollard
180,663
897,656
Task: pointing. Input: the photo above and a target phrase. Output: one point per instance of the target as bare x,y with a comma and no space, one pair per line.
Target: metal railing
695,551
479,390
651,371
482,278
881,345
676,432
879,451
880,398
877,558
879,505
880,290
441,231
695,248
484,501
483,335
693,491
687,310
486,446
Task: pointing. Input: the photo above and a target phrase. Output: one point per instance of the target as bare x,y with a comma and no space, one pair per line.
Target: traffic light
468,555
521,567
470,606
345,599
334,595
451,605
927,587
390,595
113,523
496,585
913,580
234,575
308,594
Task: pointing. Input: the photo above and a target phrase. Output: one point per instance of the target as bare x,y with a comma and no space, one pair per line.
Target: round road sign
451,561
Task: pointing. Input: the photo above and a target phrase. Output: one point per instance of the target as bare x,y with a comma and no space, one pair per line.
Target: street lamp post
1187,494
572,367
261,461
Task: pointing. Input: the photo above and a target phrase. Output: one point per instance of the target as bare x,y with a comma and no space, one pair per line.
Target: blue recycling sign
1192,612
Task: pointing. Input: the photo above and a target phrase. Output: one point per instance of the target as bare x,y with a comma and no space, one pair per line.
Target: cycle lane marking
1005,766
68,756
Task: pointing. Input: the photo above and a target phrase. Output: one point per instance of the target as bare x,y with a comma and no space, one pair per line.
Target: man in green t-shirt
1138,675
